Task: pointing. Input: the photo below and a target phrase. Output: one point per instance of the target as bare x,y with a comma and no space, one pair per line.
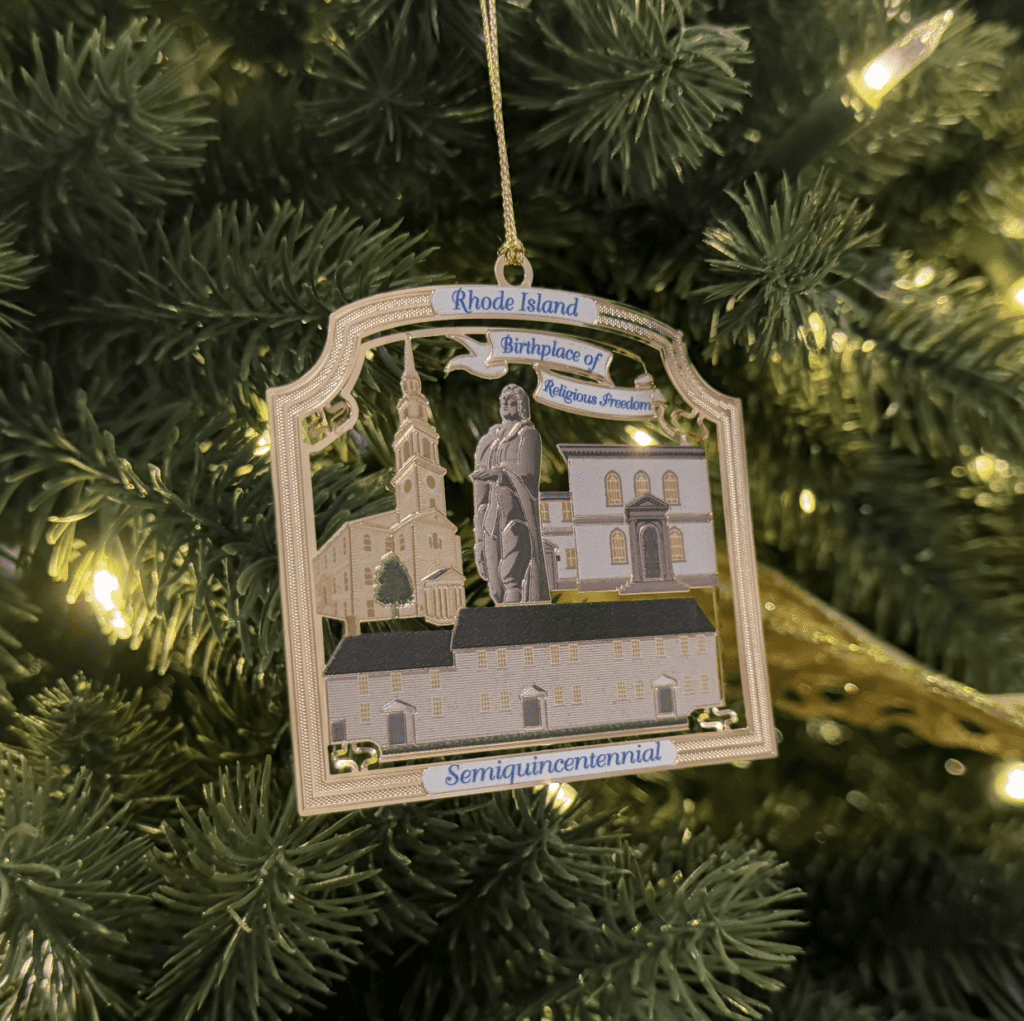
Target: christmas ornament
602,654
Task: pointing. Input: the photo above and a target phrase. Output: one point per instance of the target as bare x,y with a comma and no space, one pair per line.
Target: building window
367,575
401,543
435,678
558,694
641,484
639,689
502,659
505,702
567,510
675,545
574,653
635,647
437,707
571,564
481,659
364,684
367,544
485,703
684,645
436,542
371,609
688,685
545,510
665,699
670,488
705,685
344,581
622,690
618,541
659,646
577,693
702,645
528,655
612,490
556,654
364,712
337,731
389,544
618,650
532,717
396,680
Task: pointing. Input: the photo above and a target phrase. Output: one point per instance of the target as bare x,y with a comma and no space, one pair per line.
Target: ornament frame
327,391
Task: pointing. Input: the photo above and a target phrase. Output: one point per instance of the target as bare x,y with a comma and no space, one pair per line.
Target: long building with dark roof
509,673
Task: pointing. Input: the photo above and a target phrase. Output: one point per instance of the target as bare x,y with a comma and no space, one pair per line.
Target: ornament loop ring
499,272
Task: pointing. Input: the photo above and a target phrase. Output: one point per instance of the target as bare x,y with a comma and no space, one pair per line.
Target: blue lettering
453,775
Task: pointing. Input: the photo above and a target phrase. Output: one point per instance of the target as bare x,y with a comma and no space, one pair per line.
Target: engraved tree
394,586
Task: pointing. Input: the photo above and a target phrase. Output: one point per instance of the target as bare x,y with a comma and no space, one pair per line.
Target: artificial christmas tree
189,188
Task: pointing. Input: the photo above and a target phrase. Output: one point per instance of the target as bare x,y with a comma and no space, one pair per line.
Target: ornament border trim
352,332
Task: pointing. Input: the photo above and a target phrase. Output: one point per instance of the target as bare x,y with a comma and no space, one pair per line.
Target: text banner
548,767
591,399
491,359
488,299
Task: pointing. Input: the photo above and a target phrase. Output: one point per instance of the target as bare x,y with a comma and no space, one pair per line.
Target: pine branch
73,892
392,97
633,93
16,610
219,291
93,726
262,908
16,273
923,931
114,129
781,268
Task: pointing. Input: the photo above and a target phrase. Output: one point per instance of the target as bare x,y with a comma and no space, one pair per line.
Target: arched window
670,488
618,547
675,545
612,490
641,484
367,543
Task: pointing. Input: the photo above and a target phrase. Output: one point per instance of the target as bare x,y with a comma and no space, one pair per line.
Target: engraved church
417,531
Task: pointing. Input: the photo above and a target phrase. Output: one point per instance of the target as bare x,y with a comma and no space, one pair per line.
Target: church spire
410,377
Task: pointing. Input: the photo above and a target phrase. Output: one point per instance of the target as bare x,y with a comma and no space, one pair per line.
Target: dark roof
490,626
391,650
568,450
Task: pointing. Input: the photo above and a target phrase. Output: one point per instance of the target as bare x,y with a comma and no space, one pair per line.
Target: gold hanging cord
512,252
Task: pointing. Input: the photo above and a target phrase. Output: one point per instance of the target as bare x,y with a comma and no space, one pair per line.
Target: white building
635,519
511,672
418,532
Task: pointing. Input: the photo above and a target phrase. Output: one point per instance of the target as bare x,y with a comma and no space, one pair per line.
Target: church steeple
418,472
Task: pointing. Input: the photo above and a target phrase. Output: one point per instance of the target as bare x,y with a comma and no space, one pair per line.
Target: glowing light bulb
1018,295
562,794
808,501
104,585
880,76
1008,783
262,444
877,75
645,439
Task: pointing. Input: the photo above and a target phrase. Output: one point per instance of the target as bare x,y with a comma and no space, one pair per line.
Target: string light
808,501
853,100
562,794
876,80
105,589
640,436
1008,783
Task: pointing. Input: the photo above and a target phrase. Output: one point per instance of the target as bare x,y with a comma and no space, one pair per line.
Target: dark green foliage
123,742
803,999
73,897
121,133
16,273
632,91
194,291
261,908
918,930
394,588
394,97
782,267
16,610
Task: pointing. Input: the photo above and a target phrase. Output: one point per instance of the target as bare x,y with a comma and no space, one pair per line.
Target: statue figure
509,554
